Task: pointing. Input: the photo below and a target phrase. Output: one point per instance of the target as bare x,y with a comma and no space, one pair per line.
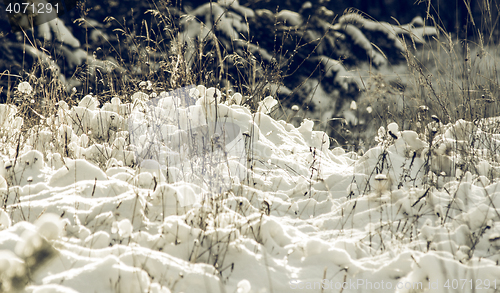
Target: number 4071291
469,283
32,8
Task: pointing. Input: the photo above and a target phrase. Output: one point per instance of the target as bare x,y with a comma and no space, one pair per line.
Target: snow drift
190,191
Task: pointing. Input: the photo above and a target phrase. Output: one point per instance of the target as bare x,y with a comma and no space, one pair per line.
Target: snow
359,39
226,16
266,105
179,192
415,30
62,33
288,17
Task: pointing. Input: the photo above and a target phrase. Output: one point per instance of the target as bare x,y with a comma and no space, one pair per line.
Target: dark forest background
451,16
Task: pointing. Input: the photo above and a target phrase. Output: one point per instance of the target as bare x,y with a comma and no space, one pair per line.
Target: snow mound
179,192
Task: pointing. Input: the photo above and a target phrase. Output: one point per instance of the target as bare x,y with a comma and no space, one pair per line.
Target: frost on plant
25,88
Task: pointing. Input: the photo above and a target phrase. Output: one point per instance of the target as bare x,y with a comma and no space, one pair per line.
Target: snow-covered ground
171,193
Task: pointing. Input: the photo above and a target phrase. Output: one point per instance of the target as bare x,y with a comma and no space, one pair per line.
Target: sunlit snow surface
262,207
